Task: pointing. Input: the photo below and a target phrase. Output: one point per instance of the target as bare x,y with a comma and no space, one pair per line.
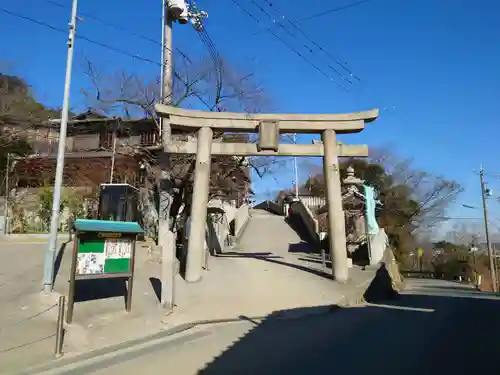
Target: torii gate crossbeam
269,127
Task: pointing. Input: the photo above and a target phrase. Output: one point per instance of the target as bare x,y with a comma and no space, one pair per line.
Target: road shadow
300,247
295,222
157,287
59,259
411,334
317,260
271,258
381,288
461,288
457,289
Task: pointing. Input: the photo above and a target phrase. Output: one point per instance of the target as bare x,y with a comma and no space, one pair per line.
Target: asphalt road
436,327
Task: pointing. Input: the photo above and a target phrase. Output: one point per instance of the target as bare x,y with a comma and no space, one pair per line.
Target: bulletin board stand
101,250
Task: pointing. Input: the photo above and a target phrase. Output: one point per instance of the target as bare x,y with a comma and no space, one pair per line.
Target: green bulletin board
103,249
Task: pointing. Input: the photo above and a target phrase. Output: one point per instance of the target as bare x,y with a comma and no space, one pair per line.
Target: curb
353,299
29,240
88,356
356,298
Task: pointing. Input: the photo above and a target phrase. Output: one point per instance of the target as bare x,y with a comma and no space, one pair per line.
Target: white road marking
400,307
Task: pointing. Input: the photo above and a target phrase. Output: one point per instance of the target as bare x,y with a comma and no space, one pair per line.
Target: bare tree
466,233
213,86
216,87
433,193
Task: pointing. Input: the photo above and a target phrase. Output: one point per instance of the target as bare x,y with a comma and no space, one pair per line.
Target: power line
100,44
298,28
82,37
333,10
207,40
106,23
203,35
293,36
115,26
289,46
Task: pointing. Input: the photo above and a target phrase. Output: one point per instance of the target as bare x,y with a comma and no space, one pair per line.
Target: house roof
90,113
9,120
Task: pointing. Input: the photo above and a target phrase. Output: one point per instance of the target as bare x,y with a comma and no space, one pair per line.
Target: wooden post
130,284
72,279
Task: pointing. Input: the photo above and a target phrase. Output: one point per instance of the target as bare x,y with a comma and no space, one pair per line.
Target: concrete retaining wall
219,231
388,281
378,246
241,220
307,219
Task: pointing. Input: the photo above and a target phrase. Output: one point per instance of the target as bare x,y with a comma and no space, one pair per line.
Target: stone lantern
353,200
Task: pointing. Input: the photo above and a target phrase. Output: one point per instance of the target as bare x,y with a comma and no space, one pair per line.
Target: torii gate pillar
336,220
199,204
269,127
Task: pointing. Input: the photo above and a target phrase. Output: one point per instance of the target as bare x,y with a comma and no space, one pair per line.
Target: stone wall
24,210
241,219
307,218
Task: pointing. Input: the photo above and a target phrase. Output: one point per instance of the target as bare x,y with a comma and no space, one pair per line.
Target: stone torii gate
269,127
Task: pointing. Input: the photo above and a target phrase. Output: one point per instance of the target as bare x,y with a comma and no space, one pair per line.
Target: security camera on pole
175,10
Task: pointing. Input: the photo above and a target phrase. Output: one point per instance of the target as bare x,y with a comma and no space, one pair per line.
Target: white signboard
118,249
90,263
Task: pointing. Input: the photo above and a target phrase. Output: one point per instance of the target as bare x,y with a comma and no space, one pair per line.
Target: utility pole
296,170
166,237
172,10
6,196
486,229
495,263
166,74
50,255
113,159
473,248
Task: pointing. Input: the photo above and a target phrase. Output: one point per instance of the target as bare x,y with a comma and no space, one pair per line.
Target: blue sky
431,66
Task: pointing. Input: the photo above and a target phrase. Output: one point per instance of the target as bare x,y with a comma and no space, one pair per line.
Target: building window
106,140
149,138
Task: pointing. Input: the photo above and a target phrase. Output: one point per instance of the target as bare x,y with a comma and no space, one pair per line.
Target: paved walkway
436,327
269,236
267,232
27,318
258,278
